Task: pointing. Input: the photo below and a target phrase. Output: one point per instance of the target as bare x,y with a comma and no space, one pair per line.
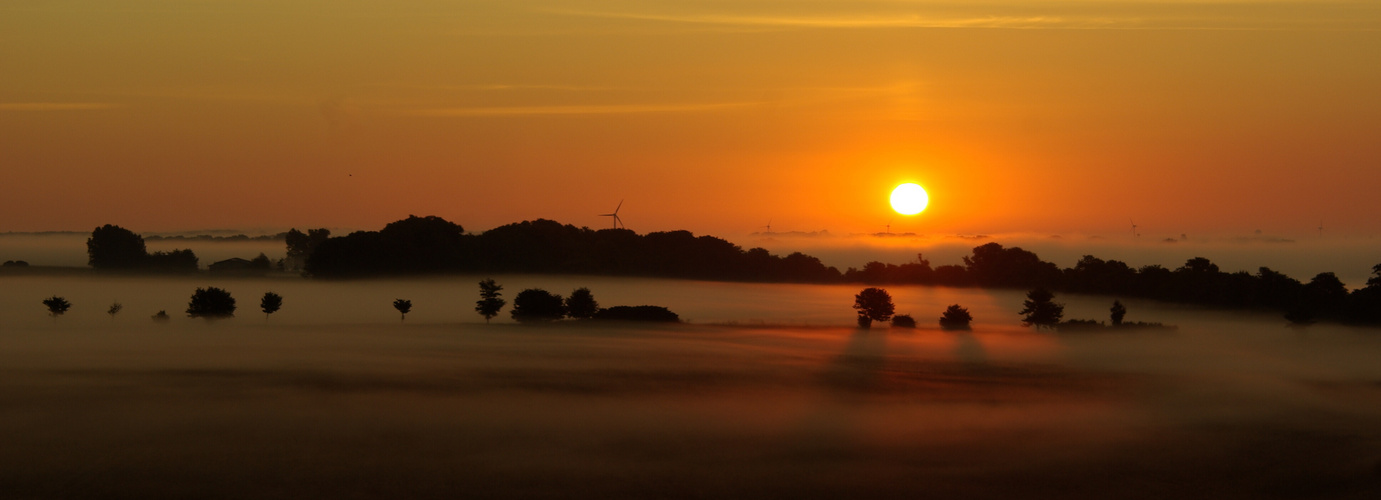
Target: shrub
955,318
638,313
211,303
903,321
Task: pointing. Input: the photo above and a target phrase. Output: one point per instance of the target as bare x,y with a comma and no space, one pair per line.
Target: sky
1033,117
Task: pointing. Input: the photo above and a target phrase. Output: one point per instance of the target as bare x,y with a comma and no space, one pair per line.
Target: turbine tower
769,225
617,221
1134,233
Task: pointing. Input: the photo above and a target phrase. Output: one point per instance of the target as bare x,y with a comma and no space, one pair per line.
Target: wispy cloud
580,109
57,106
1226,15
500,87
848,21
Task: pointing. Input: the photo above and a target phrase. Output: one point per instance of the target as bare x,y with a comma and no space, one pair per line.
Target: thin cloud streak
909,21
1076,22
596,109
57,106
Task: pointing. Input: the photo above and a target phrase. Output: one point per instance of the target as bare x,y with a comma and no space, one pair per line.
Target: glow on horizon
1043,117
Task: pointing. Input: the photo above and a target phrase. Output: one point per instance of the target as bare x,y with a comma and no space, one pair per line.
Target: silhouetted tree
873,304
176,261
993,265
537,305
114,309
1039,309
260,263
270,304
581,304
404,307
161,316
301,245
56,306
955,317
211,303
114,247
1118,312
489,303
903,321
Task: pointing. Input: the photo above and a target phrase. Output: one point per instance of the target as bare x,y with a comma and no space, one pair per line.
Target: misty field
767,392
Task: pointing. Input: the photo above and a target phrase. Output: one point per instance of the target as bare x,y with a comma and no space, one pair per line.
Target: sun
909,199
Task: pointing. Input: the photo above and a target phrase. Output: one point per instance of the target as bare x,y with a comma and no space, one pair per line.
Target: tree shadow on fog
969,350
859,368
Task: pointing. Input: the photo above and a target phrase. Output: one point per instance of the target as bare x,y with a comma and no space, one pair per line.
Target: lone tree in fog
211,303
1040,310
489,303
114,247
57,306
536,305
873,304
955,317
581,304
403,306
270,304
114,309
1118,312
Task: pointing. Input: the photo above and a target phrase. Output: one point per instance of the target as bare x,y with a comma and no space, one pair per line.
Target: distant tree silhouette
175,261
993,265
301,245
114,309
637,313
15,263
211,303
581,304
1118,312
955,317
873,304
404,307
489,303
114,247
56,306
260,263
1039,310
903,321
270,304
161,316
536,305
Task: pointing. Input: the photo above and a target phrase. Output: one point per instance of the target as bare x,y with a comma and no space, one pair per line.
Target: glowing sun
909,199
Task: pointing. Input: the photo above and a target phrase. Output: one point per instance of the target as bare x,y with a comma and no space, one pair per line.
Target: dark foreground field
244,410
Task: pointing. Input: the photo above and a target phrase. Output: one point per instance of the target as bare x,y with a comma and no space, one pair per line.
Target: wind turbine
1320,228
769,225
1134,233
617,221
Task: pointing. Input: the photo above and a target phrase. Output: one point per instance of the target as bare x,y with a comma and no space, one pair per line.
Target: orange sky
713,116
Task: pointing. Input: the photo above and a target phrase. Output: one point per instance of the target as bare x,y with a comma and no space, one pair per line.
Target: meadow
767,391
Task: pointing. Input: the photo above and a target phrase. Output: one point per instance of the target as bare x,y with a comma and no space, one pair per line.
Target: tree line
432,245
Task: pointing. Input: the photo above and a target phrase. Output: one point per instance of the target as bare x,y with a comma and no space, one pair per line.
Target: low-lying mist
766,393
